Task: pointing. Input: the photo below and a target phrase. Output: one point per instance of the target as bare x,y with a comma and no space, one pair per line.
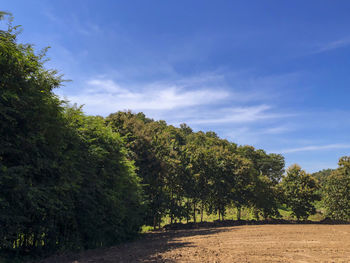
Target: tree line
66,181
72,181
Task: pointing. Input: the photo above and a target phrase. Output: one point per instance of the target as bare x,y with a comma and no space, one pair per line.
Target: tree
143,140
108,204
336,191
322,175
264,195
200,165
232,181
65,180
300,190
32,131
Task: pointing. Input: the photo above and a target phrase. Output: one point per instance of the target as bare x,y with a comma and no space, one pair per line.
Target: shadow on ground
149,248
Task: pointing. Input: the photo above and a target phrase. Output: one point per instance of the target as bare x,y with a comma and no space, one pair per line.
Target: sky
272,74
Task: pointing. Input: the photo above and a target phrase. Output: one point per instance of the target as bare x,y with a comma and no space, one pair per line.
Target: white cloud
241,115
104,96
104,86
251,134
237,110
316,148
277,130
334,45
200,100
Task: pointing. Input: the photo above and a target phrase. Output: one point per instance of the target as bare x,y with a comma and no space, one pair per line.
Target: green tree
32,131
172,156
65,180
199,167
232,181
336,191
264,195
143,140
300,190
322,175
108,208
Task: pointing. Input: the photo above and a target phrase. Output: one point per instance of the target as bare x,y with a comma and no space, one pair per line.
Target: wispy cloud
240,115
87,28
277,130
203,101
238,110
334,45
51,16
251,134
104,96
316,148
73,22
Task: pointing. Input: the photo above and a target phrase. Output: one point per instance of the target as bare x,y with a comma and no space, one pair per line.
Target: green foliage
32,128
300,190
65,180
322,175
108,209
142,137
265,193
184,173
267,198
336,191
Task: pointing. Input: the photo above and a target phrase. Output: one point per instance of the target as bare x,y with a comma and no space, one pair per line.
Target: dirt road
260,243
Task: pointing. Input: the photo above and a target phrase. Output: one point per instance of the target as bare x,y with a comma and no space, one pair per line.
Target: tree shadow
149,248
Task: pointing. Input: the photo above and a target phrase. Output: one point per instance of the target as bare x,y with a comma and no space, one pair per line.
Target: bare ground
253,243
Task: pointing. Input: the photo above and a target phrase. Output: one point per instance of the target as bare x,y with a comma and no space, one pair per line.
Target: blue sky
272,74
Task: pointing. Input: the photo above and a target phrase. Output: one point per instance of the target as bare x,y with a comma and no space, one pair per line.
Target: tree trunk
154,222
202,210
256,214
187,212
194,212
265,216
171,209
238,213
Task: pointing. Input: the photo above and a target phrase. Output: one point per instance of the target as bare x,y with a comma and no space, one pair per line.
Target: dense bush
65,180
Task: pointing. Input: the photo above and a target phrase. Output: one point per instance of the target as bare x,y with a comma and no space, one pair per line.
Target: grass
144,229
246,214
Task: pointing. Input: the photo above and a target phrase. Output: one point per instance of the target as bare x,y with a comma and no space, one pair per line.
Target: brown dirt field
259,243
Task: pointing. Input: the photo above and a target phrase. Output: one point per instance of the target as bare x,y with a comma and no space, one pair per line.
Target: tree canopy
65,179
300,190
336,191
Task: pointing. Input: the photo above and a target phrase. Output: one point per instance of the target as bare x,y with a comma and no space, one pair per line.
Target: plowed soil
259,243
